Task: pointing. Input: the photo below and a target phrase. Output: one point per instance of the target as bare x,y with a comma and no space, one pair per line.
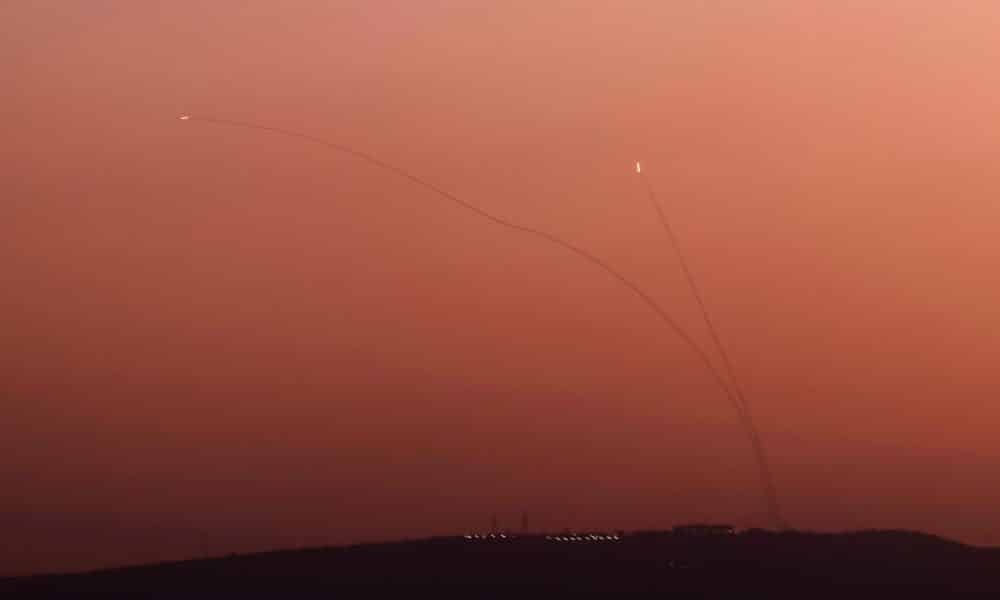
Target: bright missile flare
184,117
638,167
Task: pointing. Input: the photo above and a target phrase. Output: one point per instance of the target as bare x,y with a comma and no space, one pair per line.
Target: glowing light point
184,117
638,167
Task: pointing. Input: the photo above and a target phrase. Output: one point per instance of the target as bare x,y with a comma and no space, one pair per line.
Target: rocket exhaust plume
581,253
743,406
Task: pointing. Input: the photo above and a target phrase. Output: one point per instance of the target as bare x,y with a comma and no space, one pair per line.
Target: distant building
704,529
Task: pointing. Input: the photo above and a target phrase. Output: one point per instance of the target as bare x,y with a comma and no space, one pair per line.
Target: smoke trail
744,406
580,252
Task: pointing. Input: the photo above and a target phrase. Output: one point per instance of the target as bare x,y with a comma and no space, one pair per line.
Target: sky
220,340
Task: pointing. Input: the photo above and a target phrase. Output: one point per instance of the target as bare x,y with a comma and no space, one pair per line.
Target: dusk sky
216,339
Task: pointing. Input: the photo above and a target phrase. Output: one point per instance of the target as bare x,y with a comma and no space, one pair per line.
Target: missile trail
663,315
763,465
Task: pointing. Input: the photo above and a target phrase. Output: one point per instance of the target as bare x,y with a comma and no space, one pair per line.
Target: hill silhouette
780,564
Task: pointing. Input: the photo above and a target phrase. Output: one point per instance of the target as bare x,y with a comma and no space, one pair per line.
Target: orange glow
302,349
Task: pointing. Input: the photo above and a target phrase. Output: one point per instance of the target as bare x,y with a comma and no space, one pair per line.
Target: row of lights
583,538
590,537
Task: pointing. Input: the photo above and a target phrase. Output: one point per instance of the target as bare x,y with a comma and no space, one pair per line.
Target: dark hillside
788,564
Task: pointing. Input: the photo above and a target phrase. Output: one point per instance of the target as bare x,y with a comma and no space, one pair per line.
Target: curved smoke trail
580,252
744,406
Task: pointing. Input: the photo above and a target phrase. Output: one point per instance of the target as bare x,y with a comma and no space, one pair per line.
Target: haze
215,340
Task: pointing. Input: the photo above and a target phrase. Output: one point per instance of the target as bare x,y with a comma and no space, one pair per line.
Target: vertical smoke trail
774,508
580,252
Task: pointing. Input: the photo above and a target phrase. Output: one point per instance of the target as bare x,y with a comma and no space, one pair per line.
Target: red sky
217,340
